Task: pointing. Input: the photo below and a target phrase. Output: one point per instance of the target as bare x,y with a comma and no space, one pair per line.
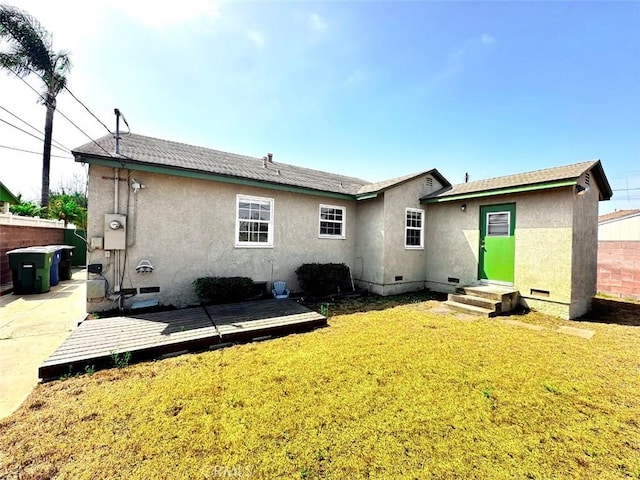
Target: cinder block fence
619,268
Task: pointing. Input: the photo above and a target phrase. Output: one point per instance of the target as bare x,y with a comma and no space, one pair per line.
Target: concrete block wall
15,236
619,268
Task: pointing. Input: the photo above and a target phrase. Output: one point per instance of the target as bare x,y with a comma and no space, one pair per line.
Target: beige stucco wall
381,239
620,230
369,262
544,247
451,245
186,228
585,247
544,241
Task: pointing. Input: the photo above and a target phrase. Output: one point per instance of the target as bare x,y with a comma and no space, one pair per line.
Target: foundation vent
149,289
398,278
540,293
453,280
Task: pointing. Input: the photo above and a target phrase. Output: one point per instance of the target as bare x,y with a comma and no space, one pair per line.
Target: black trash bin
66,256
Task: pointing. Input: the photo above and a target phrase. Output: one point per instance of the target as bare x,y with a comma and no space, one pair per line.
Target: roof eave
131,164
433,172
617,219
499,191
603,184
7,196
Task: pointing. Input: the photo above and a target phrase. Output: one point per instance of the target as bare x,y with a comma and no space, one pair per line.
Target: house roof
7,196
618,215
537,180
374,188
153,154
138,151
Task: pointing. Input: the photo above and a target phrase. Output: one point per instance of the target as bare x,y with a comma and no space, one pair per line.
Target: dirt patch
371,302
606,310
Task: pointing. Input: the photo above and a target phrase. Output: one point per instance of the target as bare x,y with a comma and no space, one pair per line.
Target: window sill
413,248
253,246
331,237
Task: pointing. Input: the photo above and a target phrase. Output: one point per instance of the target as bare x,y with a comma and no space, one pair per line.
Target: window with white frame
254,221
414,228
332,220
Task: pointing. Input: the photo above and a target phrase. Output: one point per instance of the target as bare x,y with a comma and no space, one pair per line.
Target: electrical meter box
115,231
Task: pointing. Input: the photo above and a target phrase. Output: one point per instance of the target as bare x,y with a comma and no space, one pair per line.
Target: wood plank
81,350
145,335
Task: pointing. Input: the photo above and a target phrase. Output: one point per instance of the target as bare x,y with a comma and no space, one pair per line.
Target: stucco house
163,213
621,225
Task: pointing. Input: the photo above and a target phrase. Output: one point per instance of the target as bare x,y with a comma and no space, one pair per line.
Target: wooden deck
150,335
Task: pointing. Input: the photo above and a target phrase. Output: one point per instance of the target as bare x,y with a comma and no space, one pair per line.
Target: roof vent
270,157
264,162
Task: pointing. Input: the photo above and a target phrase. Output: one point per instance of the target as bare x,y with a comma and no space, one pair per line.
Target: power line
34,128
83,132
63,115
31,151
31,134
87,109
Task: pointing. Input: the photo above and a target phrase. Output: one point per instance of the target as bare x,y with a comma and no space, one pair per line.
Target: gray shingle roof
163,153
617,215
537,177
380,186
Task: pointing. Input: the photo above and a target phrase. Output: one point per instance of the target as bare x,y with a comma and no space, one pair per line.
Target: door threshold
496,282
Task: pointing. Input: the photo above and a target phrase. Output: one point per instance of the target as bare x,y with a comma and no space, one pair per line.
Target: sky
373,90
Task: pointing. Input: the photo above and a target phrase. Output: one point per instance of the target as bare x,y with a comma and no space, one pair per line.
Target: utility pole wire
87,109
62,114
34,128
31,151
31,135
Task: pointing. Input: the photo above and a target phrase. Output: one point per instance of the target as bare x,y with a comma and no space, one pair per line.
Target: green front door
497,242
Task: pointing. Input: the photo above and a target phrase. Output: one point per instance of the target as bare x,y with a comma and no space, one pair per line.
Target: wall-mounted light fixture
463,207
580,190
136,185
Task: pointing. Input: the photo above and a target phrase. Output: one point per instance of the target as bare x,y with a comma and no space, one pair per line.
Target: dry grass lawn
390,393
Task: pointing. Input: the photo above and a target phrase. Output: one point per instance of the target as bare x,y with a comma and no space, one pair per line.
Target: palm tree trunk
46,154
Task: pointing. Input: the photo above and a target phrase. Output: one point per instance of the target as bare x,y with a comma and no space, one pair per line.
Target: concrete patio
31,329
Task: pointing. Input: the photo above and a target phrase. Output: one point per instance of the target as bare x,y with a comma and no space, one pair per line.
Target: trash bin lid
39,249
62,247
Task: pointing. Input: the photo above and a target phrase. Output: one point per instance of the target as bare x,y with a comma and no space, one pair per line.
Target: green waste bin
30,269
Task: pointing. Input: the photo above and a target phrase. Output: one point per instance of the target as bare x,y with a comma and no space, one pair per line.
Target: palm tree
29,50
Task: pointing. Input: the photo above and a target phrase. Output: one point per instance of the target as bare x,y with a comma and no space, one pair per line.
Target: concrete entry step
471,309
487,300
492,305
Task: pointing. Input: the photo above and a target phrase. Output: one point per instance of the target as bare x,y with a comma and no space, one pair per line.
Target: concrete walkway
31,328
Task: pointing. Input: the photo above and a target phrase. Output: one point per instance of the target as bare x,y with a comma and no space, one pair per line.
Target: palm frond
27,38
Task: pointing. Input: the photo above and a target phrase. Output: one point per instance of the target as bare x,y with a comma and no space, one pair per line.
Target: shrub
223,289
320,279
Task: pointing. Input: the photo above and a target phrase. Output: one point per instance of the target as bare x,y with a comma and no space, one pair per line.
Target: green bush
223,289
321,279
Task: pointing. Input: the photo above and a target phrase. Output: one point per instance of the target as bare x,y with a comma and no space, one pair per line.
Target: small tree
68,208
69,202
26,209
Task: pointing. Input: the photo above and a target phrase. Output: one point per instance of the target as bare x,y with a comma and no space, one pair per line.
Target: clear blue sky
368,89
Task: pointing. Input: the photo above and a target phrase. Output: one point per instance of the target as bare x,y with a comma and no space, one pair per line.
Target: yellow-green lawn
393,393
